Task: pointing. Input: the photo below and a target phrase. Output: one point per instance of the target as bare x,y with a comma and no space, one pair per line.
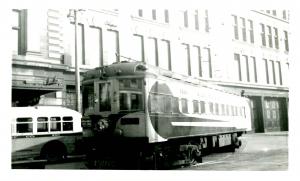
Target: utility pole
77,70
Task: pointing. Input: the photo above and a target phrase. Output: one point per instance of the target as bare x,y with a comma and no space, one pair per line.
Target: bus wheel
54,151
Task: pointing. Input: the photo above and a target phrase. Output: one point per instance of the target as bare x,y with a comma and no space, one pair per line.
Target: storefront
269,108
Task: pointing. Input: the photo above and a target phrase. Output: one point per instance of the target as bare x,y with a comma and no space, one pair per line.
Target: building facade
244,51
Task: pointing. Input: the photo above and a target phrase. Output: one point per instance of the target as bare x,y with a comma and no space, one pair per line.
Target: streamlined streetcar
131,108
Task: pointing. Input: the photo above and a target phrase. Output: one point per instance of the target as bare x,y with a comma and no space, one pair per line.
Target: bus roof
36,111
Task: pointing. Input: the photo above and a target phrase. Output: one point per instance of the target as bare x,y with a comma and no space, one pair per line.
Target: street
259,152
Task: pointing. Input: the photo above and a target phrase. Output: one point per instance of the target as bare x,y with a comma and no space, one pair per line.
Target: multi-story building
244,51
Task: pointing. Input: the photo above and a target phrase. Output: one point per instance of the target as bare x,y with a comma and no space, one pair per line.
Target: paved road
267,151
259,152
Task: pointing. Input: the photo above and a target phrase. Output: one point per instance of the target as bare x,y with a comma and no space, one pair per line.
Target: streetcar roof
126,68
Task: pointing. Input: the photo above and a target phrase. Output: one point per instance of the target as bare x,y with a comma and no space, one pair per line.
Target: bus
44,132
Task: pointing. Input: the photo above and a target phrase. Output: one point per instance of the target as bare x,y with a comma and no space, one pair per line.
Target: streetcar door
103,94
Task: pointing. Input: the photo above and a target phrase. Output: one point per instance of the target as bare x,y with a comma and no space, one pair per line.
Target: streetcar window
222,109
167,103
136,101
55,124
131,101
68,123
42,124
184,105
227,110
202,106
131,84
124,103
24,125
154,103
211,107
216,108
232,111
236,111
175,105
104,97
163,103
88,98
196,106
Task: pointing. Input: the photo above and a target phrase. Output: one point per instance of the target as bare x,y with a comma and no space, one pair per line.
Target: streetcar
48,133
158,116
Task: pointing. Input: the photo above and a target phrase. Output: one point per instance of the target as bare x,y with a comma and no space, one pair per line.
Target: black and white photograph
148,90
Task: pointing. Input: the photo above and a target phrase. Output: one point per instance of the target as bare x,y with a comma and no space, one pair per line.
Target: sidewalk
275,133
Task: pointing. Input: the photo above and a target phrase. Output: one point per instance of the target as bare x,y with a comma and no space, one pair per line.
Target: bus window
136,101
68,123
104,97
55,124
24,125
42,124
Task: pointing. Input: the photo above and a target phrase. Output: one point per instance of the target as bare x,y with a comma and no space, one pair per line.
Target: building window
112,46
207,67
153,14
274,13
251,33
185,19
263,34
245,68
139,51
19,28
270,36
206,21
273,72
238,66
267,71
153,52
284,14
165,55
140,13
196,63
276,38
235,27
286,41
188,57
243,22
166,16
95,49
279,72
196,20
253,69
